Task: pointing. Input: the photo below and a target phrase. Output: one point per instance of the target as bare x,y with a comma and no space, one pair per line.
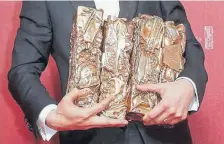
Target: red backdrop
207,126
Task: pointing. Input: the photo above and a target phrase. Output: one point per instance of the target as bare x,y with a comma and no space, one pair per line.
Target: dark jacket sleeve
194,55
29,58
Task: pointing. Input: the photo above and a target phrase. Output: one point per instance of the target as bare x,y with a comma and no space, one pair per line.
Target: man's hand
71,117
173,108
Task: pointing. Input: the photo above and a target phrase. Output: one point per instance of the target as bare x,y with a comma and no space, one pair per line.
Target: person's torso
61,16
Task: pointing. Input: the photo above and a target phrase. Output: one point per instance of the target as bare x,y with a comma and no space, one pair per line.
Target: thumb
75,93
150,88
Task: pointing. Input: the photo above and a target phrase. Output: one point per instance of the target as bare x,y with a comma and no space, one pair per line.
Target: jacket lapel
128,9
75,4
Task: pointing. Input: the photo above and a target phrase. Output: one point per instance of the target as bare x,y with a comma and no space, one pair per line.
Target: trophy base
134,116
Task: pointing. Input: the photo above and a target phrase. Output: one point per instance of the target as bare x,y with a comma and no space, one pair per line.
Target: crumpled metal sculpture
157,58
115,74
174,41
85,54
144,50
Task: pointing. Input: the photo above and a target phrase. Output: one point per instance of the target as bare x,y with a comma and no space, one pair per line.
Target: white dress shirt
110,7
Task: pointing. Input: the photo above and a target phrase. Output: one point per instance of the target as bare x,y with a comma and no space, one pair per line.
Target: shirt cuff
195,101
46,132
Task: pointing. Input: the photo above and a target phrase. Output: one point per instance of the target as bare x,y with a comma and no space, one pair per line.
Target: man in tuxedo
45,29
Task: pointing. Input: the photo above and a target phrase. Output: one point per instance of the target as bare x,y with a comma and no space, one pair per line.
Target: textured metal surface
84,62
117,45
156,58
174,41
144,50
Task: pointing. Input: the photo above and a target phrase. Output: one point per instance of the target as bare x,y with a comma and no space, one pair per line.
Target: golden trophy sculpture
115,73
85,54
157,58
112,57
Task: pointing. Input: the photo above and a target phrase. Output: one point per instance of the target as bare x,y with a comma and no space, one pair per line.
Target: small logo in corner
208,34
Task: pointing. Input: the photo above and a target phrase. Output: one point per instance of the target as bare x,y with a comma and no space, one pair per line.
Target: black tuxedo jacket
45,29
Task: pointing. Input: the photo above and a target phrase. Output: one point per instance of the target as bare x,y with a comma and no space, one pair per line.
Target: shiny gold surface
173,46
157,58
84,62
146,64
112,57
115,72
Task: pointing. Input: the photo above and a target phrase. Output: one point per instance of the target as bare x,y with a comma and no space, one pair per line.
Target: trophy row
112,57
